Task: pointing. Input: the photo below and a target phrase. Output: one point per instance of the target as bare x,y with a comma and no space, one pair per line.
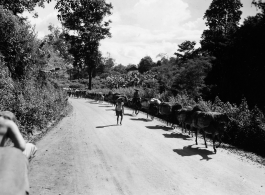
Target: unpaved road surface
87,153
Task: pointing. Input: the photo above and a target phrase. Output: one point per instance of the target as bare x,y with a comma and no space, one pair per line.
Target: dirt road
86,153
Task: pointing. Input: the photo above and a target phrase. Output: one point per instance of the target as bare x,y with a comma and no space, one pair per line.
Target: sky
142,28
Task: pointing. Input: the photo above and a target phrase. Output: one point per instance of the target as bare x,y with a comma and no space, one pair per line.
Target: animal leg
214,144
204,139
185,127
180,125
196,134
191,131
220,140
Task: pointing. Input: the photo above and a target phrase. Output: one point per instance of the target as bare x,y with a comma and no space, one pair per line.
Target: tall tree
109,63
186,51
244,62
190,77
18,7
222,20
17,43
56,48
85,18
120,68
131,67
145,64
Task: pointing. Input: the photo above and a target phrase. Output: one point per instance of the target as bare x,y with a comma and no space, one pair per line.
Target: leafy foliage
35,98
222,19
238,69
34,104
17,44
86,19
188,50
18,7
145,64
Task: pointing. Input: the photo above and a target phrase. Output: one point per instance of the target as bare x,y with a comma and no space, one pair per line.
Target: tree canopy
145,64
85,21
18,7
17,43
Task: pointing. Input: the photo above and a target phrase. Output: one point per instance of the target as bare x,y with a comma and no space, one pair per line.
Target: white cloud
46,16
196,24
115,17
144,27
153,27
160,14
41,19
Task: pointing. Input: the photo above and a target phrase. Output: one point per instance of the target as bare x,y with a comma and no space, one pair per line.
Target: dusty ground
86,153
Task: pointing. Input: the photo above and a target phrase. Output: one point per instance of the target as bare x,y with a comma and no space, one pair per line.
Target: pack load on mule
169,110
99,96
165,108
108,96
154,107
213,123
155,101
185,117
181,117
145,103
174,111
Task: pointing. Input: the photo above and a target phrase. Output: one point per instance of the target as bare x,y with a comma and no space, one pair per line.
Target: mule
213,123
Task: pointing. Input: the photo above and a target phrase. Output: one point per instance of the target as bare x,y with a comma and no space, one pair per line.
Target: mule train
193,119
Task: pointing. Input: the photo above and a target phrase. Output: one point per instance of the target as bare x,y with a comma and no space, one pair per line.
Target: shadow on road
92,102
105,126
177,135
189,151
110,109
159,127
105,106
126,114
140,119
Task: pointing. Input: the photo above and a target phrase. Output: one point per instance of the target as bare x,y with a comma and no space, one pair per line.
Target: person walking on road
119,108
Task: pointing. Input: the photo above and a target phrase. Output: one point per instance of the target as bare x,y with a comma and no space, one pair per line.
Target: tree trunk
90,79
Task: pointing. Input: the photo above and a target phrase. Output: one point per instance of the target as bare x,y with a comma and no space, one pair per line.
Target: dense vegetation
27,87
33,71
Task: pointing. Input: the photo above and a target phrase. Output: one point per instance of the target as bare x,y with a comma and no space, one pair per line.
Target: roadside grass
34,103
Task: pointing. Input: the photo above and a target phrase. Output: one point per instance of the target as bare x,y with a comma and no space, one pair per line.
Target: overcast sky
145,27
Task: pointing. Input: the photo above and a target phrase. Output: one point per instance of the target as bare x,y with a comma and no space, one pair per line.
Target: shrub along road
87,153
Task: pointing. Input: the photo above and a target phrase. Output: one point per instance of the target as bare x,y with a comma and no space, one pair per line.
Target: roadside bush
33,104
76,85
246,129
183,98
